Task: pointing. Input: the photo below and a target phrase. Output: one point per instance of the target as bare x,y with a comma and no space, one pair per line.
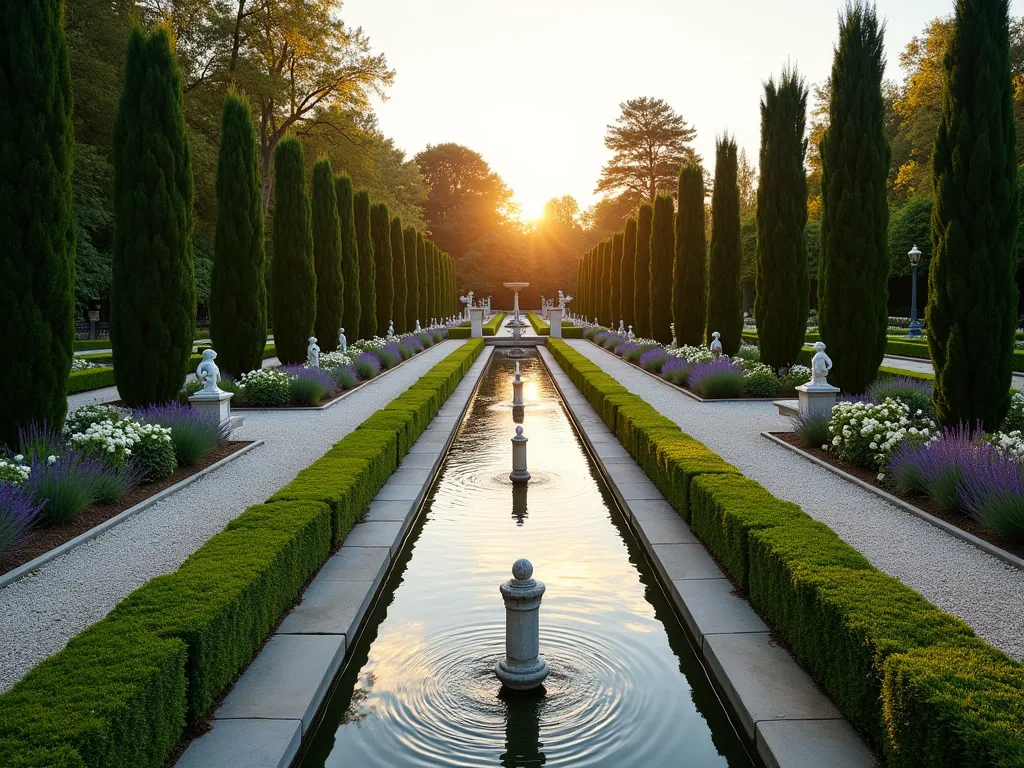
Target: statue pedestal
218,404
555,319
816,399
476,322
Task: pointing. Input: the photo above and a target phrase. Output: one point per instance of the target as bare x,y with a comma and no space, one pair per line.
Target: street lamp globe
915,255
914,329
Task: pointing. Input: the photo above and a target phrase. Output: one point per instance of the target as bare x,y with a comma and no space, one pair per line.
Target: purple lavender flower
367,365
916,394
719,378
18,512
319,375
600,337
653,359
345,376
992,492
700,371
938,468
613,340
65,486
194,433
389,355
41,440
676,370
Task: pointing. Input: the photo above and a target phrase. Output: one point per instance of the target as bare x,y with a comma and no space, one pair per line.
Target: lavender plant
653,359
65,485
676,370
993,493
41,440
193,433
719,378
367,365
308,385
18,513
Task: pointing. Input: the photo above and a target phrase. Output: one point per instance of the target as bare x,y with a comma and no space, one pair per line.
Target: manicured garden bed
490,328
543,328
914,680
123,691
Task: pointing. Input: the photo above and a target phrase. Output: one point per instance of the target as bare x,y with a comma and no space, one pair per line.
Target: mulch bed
43,539
963,522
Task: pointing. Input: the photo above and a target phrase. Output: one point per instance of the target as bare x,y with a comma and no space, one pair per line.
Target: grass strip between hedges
913,679
121,692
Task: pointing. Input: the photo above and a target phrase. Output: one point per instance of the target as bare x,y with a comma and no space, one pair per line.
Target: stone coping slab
276,701
762,683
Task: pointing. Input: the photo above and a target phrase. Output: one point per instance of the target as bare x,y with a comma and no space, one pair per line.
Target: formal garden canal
624,689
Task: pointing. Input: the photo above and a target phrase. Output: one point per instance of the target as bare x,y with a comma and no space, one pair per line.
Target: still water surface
625,688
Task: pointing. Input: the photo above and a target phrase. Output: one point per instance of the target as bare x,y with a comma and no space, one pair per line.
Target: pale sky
531,84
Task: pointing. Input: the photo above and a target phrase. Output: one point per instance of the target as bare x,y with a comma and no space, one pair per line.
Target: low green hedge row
465,330
915,680
121,692
93,378
543,328
87,344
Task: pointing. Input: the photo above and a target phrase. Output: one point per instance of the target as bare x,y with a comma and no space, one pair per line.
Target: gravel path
957,577
38,615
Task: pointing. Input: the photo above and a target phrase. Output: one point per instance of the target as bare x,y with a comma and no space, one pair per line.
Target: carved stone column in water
522,669
519,473
517,389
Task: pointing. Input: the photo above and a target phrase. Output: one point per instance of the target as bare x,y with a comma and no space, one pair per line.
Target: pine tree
401,277
238,292
367,268
782,285
614,286
292,271
412,302
37,261
689,290
380,231
351,306
330,284
626,272
972,303
853,269
725,293
153,292
642,272
421,268
663,247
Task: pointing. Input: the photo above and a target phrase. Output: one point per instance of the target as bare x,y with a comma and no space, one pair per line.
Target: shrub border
892,662
543,328
465,330
121,692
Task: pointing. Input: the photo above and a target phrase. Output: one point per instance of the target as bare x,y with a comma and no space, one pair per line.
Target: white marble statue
622,327
208,372
313,353
629,333
418,329
716,346
342,341
391,329
821,364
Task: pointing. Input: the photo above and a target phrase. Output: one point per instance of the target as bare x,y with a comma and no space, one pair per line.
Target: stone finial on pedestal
211,399
313,353
522,669
342,341
629,333
519,474
622,327
517,390
391,329
418,329
716,345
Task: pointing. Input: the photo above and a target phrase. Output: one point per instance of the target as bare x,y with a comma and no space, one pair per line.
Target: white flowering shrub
84,417
14,472
759,380
797,375
1010,443
336,358
153,453
1014,420
866,433
81,364
691,354
109,441
266,388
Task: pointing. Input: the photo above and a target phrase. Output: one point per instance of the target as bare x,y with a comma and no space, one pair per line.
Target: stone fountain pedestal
522,669
555,319
476,322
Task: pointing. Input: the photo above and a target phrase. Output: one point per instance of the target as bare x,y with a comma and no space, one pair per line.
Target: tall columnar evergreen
604,282
153,292
972,302
782,285
238,291
436,270
367,268
351,306
380,231
401,278
292,272
330,285
725,292
431,287
421,268
595,281
853,269
626,271
614,286
37,262
663,251
689,289
583,299
642,272
412,299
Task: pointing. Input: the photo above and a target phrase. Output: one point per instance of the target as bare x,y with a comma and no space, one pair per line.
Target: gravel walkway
38,615
957,577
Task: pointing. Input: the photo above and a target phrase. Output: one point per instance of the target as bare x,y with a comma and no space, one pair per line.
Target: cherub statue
821,364
313,353
622,327
342,341
418,329
391,329
716,345
208,372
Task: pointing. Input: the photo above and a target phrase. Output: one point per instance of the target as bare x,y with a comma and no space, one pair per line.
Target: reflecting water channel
625,688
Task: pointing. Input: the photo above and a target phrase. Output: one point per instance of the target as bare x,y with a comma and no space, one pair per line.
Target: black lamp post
914,330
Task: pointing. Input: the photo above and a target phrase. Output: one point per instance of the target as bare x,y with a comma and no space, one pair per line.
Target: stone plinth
476,322
217,403
522,669
816,399
519,474
555,319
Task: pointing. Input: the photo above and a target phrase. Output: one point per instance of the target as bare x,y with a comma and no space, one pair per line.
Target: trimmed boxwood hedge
543,328
92,378
121,693
465,330
913,679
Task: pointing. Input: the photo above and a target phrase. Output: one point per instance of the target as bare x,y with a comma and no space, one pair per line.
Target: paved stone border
985,546
22,570
276,701
790,721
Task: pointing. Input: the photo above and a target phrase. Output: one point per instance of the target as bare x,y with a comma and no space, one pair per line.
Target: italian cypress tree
380,231
663,248
351,306
626,271
853,269
238,291
614,286
435,264
421,268
153,291
37,262
428,261
594,300
689,291
367,268
401,278
604,311
330,284
292,272
782,286
412,301
583,297
725,292
642,271
972,302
